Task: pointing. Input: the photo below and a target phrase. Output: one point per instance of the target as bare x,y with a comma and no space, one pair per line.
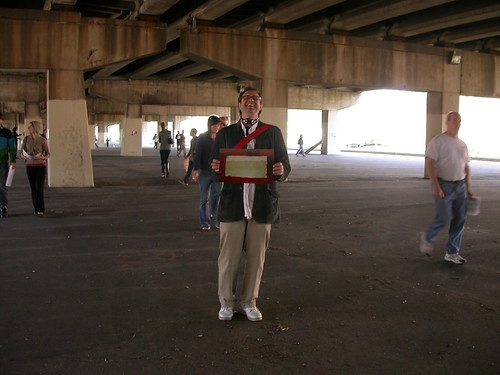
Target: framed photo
246,166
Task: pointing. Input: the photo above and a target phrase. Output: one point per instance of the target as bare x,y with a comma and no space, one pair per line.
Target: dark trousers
189,172
36,177
4,171
164,154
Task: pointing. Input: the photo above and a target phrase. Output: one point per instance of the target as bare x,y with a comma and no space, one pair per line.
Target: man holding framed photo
248,207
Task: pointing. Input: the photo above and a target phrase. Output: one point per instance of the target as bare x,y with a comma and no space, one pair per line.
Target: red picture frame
225,152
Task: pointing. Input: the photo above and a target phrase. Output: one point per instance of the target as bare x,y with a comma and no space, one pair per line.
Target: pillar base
131,137
70,163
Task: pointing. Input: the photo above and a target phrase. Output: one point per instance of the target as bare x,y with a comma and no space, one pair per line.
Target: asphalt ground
119,278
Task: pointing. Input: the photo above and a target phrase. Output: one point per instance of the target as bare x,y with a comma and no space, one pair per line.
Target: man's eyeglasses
251,97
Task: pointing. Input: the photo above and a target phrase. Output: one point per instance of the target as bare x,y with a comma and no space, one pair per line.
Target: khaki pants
236,238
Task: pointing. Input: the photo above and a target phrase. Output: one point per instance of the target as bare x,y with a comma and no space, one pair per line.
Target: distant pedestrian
165,140
8,152
209,183
155,141
301,147
35,151
182,142
190,157
107,142
178,141
16,135
447,160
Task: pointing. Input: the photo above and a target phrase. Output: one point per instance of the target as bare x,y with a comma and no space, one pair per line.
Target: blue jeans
209,198
450,210
4,171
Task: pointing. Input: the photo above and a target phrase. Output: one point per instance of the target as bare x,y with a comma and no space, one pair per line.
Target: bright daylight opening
395,122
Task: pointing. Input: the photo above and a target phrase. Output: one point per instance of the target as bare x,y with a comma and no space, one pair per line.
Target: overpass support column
131,131
275,101
70,163
438,105
234,114
91,135
101,135
325,126
334,146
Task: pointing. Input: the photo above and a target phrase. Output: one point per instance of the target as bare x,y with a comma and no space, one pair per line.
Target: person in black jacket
247,211
202,172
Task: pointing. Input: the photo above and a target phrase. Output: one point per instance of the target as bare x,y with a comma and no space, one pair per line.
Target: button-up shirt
249,189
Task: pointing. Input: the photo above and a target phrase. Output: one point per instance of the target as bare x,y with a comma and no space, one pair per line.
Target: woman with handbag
35,151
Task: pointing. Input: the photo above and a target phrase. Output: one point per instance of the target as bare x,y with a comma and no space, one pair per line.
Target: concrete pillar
131,131
275,101
234,115
70,163
324,132
438,105
176,120
101,135
91,133
334,146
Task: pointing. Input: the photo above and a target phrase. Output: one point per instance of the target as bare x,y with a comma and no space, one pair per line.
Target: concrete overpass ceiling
466,24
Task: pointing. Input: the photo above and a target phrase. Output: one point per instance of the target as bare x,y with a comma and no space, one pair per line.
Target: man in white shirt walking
447,160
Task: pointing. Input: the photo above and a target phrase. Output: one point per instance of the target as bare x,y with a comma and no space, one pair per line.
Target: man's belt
450,182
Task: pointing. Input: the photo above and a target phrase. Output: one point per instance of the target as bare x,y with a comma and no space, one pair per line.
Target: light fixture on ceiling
454,58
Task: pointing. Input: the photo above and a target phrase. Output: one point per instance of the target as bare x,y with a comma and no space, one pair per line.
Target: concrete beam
332,61
485,30
483,45
433,22
380,10
64,40
211,10
110,69
23,87
216,76
291,11
186,71
158,65
320,98
320,26
156,7
153,92
480,74
110,97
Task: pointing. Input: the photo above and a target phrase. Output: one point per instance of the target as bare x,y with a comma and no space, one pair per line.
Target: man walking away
447,160
165,140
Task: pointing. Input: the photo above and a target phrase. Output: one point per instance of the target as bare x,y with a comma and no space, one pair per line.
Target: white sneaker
455,258
226,313
253,314
426,247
